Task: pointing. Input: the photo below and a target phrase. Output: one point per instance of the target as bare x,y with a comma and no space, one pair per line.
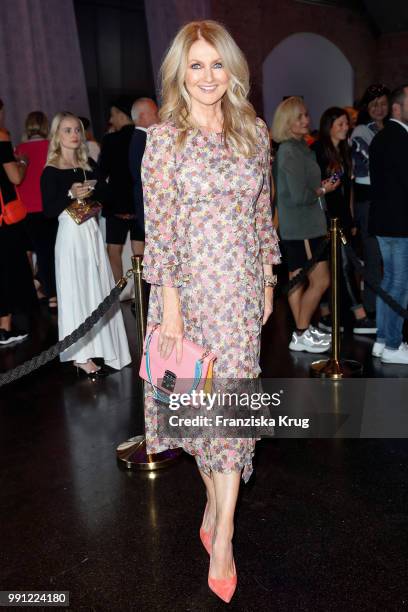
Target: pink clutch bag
194,372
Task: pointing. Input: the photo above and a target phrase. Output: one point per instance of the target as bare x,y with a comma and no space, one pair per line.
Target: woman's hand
268,305
329,186
171,335
172,326
79,190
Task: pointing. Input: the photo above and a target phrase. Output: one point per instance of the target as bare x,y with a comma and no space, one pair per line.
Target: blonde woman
302,221
83,274
210,247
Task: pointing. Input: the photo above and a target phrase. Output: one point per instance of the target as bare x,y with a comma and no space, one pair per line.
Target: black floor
322,525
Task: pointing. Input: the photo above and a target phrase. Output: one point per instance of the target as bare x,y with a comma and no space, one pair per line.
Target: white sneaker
319,334
309,342
378,348
398,356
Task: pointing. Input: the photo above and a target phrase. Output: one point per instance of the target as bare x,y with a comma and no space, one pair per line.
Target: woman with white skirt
83,274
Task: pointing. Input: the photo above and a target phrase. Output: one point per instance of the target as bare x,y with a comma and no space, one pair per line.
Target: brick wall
259,25
392,64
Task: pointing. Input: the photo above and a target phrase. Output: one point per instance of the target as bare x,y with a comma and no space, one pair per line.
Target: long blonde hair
54,148
284,117
239,127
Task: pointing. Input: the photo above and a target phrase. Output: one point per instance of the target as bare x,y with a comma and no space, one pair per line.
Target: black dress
337,201
17,293
55,184
338,205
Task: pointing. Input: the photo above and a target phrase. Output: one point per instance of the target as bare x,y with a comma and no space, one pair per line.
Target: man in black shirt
144,114
119,207
389,220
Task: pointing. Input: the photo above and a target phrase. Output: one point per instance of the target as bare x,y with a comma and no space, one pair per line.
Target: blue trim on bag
158,393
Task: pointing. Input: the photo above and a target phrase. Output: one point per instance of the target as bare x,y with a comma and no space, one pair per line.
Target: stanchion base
336,369
132,455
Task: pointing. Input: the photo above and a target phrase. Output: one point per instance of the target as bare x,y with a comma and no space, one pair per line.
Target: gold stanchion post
335,368
132,454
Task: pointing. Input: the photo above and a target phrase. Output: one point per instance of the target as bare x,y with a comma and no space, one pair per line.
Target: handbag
12,212
193,373
82,210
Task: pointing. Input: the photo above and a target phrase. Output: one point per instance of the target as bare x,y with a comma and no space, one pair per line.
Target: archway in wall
311,66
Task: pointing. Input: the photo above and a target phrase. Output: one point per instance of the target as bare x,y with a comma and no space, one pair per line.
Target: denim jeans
371,253
394,253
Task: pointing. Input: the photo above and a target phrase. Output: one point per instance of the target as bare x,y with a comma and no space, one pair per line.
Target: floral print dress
208,232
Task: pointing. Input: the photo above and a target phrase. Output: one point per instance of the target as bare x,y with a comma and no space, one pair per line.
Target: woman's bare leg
295,298
226,493
210,509
137,247
5,322
319,281
115,260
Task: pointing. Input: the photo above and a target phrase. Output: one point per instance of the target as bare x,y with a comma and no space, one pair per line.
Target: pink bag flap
170,376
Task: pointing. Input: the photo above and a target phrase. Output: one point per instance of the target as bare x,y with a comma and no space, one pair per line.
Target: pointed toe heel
206,537
223,588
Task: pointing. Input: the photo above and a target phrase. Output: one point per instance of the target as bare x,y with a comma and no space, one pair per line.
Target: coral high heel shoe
206,539
224,588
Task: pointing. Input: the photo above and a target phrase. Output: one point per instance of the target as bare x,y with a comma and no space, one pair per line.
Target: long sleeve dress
208,232
83,274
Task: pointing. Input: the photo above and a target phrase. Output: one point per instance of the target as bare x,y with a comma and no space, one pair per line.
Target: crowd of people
353,173
54,260
316,178
192,186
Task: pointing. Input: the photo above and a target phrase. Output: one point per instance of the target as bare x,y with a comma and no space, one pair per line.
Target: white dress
84,278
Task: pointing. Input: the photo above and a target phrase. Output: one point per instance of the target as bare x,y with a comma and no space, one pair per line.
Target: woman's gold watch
270,280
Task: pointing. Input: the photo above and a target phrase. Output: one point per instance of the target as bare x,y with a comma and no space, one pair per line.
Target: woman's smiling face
206,79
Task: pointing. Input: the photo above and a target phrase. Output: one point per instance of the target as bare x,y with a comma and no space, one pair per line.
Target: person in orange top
16,286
